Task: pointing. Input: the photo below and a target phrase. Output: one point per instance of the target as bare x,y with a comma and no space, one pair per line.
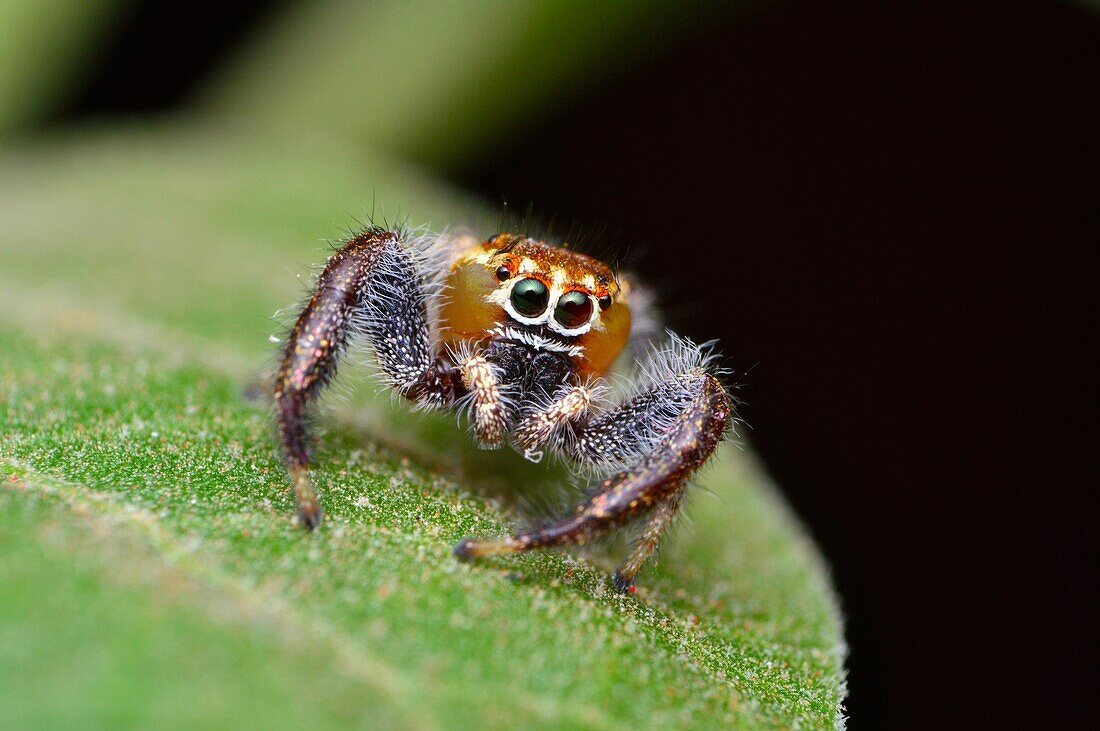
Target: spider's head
546,291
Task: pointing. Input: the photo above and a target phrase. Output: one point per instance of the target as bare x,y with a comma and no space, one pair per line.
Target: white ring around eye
506,302
573,331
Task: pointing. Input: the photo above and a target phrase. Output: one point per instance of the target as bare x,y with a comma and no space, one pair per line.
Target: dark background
888,214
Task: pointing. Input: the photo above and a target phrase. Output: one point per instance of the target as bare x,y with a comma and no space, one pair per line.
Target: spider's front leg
371,288
488,402
665,432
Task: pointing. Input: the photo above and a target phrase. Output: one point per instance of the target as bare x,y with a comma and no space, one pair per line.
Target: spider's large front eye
529,297
574,309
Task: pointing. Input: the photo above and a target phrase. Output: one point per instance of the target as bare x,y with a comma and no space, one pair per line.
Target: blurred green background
150,574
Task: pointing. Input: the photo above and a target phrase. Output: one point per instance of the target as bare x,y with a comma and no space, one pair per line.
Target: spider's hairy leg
488,405
654,481
545,427
371,287
656,524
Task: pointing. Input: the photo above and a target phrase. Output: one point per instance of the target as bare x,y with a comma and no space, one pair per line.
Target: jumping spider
521,335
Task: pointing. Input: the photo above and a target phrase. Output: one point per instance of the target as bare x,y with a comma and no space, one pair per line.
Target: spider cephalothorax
520,334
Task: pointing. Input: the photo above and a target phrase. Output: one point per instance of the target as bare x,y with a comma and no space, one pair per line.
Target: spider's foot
463,550
309,516
622,584
470,548
309,506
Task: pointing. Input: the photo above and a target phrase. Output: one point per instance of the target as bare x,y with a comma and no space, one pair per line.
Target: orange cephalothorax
514,282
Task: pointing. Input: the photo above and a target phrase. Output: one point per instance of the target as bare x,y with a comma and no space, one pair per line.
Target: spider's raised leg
673,426
371,288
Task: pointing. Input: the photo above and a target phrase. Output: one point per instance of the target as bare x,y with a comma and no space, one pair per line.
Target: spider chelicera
521,335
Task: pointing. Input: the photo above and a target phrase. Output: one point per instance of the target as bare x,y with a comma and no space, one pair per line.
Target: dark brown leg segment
655,527
370,288
656,482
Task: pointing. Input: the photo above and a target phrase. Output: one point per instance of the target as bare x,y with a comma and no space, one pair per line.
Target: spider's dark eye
574,309
605,302
503,272
529,297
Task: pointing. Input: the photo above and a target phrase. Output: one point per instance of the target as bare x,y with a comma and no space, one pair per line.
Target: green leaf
146,516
